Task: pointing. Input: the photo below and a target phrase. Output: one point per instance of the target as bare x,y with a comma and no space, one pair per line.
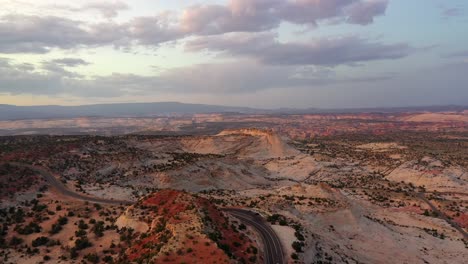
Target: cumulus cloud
39,34
363,13
261,15
326,51
153,30
239,15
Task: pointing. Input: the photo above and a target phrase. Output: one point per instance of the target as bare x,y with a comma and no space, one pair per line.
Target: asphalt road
273,248
60,187
442,215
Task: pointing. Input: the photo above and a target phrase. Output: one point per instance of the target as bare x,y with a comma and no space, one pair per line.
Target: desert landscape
341,188
233,132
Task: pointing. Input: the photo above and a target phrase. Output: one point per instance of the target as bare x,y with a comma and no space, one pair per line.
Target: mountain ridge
14,112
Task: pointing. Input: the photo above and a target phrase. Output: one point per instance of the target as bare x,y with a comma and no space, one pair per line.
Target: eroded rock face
268,143
127,220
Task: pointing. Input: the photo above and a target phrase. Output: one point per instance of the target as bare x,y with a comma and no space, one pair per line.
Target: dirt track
58,185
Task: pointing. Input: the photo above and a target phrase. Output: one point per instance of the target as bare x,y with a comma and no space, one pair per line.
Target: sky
256,53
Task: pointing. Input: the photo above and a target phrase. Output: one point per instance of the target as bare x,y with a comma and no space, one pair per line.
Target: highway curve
58,185
273,248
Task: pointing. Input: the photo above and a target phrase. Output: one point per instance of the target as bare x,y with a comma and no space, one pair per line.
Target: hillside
268,143
263,148
177,227
358,198
253,143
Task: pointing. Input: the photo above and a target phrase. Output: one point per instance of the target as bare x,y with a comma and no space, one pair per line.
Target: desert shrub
56,228
82,243
82,225
93,258
98,229
63,220
15,241
80,233
108,259
297,246
28,229
3,243
40,241
299,236
294,256
73,253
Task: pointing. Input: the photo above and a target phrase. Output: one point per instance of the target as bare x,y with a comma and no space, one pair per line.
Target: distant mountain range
13,112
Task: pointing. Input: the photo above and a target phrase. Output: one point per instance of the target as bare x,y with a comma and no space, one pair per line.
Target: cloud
326,51
106,8
240,77
36,34
239,15
153,30
248,81
23,79
53,80
40,34
236,77
58,66
450,12
247,77
458,54
363,13
248,16
262,15
70,62
290,84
